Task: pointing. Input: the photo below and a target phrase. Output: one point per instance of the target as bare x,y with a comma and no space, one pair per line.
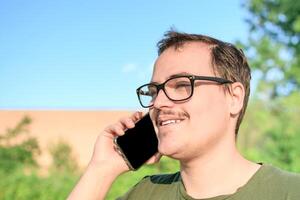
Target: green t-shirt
268,183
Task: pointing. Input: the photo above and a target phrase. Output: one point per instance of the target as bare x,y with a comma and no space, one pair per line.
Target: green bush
62,158
271,132
24,186
14,153
19,171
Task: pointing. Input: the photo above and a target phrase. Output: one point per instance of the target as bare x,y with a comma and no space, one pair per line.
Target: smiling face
193,127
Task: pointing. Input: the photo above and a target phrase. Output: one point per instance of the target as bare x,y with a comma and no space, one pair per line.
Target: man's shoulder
282,180
291,179
281,175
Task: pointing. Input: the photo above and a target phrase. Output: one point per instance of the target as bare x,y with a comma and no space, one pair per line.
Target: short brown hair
227,61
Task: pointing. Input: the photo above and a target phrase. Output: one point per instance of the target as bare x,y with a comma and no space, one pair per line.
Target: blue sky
94,54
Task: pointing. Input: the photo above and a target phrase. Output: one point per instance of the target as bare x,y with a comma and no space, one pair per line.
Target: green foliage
19,170
62,158
277,18
23,186
273,45
21,128
17,148
271,132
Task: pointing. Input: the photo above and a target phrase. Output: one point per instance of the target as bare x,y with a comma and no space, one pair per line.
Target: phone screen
139,143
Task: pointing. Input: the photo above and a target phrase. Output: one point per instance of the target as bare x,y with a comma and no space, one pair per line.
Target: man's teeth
173,121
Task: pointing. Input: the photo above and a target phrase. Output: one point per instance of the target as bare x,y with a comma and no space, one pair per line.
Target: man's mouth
168,118
169,122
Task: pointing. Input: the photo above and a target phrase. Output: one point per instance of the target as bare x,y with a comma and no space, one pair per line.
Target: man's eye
182,85
151,93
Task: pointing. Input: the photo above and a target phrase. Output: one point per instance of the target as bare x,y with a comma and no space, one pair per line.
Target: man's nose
161,100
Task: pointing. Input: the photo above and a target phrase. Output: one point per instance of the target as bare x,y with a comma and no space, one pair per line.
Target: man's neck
219,172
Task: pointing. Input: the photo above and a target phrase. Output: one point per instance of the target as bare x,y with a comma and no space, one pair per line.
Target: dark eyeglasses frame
192,79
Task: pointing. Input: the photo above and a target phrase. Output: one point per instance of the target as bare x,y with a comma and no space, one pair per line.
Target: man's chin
169,151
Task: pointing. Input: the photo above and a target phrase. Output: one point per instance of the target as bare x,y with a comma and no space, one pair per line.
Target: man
197,116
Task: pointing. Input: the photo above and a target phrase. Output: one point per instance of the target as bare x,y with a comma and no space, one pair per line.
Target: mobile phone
138,144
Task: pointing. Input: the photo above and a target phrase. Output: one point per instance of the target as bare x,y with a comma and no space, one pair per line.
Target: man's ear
237,95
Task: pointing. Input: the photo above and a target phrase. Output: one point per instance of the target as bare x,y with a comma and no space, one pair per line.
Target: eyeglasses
178,88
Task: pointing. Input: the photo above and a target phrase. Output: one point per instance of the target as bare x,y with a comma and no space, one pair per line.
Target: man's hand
104,149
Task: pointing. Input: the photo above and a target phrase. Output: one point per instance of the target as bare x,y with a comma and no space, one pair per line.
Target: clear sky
93,54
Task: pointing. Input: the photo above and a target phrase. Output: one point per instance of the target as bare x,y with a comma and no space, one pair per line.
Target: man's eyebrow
174,76
180,74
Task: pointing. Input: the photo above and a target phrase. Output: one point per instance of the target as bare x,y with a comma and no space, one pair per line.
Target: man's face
199,123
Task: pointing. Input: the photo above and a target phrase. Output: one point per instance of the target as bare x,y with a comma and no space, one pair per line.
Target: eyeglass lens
176,89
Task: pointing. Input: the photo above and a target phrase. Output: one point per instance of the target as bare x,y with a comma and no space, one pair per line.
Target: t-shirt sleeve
292,186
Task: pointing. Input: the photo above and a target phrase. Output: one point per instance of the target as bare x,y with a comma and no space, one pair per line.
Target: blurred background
69,68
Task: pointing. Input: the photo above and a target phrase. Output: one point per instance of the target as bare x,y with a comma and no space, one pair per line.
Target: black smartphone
138,144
